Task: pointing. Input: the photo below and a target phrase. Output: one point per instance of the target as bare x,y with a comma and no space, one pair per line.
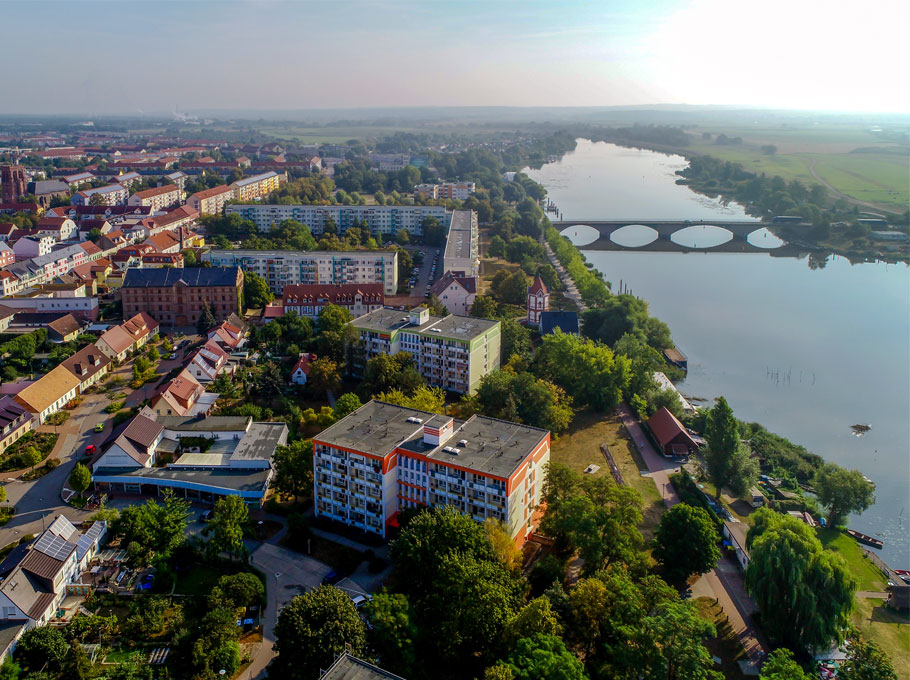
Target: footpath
571,291
725,582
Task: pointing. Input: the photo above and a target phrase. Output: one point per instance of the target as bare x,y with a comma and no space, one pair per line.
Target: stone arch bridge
739,229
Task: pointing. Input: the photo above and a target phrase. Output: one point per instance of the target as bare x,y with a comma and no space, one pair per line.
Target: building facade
258,186
282,268
174,297
12,182
447,191
211,201
453,353
538,301
157,198
381,219
457,293
309,299
384,458
112,194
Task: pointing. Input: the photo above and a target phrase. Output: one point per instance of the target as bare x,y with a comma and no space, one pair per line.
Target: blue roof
191,276
566,321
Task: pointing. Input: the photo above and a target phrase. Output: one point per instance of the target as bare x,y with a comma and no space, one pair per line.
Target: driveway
659,468
287,573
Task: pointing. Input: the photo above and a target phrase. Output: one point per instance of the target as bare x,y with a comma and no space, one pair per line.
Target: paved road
288,573
725,582
571,291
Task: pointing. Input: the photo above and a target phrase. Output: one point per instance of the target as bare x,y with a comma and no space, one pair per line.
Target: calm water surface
806,352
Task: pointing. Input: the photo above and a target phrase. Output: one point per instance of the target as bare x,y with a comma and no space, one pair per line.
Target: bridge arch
765,239
634,236
581,234
702,236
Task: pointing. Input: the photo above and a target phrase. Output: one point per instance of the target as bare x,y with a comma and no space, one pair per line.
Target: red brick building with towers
12,177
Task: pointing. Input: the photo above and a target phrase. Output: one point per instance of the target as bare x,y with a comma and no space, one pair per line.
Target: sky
122,56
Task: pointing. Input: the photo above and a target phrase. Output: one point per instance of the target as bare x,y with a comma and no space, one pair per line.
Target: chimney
437,430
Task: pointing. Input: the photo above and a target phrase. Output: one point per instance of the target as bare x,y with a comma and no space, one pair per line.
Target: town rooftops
302,293
38,396
666,427
567,322
389,320
459,240
493,447
49,186
347,667
537,287
65,325
192,277
11,411
157,191
209,424
251,481
143,430
86,362
469,283
214,191
255,178
102,190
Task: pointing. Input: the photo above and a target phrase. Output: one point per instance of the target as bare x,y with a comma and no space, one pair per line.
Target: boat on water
868,540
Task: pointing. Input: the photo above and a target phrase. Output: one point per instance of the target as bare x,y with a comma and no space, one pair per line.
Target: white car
360,600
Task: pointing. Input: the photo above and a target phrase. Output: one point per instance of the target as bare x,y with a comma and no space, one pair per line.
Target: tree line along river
805,351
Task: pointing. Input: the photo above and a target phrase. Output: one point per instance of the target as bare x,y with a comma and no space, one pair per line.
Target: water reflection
634,236
762,238
581,234
701,236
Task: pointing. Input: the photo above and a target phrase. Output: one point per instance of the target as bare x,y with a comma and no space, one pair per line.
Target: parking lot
429,270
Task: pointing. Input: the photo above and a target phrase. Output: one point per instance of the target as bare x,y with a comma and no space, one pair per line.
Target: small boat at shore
868,540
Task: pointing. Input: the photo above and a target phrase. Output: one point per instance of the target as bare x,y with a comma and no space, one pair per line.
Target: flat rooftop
243,479
387,320
494,447
458,243
210,424
260,441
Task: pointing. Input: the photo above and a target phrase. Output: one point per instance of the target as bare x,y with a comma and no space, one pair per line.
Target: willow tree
804,592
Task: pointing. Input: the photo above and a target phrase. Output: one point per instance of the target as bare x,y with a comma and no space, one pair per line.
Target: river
805,351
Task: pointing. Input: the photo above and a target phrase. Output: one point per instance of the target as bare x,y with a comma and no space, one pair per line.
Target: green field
888,629
879,174
868,576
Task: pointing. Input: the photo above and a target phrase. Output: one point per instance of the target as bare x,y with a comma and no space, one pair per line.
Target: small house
671,435
302,368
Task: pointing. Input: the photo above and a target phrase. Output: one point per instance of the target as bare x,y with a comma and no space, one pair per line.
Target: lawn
199,579
868,576
580,447
123,655
726,645
888,629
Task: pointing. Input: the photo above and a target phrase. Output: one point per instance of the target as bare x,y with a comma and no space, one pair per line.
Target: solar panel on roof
53,546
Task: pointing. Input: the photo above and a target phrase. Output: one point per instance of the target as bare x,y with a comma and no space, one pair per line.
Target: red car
90,449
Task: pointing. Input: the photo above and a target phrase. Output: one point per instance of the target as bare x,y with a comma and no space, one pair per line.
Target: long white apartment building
285,267
462,254
384,458
452,352
382,219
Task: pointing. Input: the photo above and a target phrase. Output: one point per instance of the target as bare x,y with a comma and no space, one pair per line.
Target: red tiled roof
214,191
157,191
336,293
538,287
666,427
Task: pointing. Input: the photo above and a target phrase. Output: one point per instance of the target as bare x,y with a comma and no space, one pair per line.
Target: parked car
207,515
331,578
361,600
173,355
90,449
99,427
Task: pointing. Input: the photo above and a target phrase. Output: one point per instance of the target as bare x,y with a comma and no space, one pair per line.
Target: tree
294,467
390,372
324,376
393,634
313,630
865,661
333,319
593,515
522,397
510,288
842,492
80,478
515,339
685,542
2,493
434,233
729,462
804,592
153,354
424,398
345,404
536,617
42,645
780,665
256,291
206,320
153,531
96,199
9,669
544,657
484,307
230,515
235,591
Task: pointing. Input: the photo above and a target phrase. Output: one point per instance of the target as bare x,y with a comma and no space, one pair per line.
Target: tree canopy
804,592
728,461
685,542
842,492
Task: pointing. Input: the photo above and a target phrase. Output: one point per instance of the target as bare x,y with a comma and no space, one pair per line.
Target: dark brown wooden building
670,434
175,296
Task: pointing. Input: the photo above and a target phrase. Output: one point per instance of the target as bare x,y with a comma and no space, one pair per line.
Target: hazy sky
122,56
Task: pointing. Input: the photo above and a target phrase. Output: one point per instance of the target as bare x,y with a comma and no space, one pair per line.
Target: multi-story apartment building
309,299
174,297
284,267
381,219
462,255
158,198
458,191
383,458
211,201
453,353
112,194
255,187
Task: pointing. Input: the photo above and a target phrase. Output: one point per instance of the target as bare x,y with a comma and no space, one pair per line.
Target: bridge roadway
740,229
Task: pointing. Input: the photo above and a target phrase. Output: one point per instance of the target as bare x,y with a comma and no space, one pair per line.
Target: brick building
174,297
